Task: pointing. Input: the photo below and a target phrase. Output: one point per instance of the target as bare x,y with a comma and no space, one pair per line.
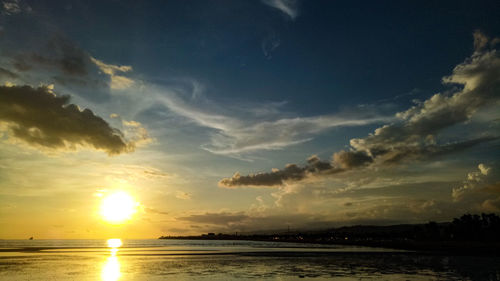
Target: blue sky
394,104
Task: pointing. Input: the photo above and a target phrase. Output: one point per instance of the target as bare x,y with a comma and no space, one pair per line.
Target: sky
240,116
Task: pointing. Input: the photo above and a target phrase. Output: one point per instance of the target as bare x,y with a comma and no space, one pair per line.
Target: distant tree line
484,227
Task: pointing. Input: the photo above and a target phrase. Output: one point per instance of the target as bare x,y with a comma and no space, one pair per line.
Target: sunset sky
225,116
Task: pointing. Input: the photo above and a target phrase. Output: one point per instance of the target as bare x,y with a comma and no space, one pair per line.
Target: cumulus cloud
414,135
38,117
351,159
288,7
471,183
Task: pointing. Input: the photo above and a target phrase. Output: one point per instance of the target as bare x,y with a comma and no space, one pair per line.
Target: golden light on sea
111,269
118,207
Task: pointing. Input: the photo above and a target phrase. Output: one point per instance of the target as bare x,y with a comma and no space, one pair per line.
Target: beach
229,260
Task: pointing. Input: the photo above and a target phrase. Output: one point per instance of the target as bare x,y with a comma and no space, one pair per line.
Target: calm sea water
228,260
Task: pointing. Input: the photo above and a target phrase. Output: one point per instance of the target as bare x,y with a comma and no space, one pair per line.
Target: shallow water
228,260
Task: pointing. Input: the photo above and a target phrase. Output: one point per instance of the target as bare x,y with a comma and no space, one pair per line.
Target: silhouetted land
469,234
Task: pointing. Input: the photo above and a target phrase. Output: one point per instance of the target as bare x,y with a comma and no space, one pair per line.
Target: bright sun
118,207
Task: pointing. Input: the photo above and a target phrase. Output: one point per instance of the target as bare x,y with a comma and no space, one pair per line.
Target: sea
155,259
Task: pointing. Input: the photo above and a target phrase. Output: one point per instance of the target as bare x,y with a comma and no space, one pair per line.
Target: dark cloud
60,61
291,172
216,218
351,159
5,73
60,54
414,136
39,117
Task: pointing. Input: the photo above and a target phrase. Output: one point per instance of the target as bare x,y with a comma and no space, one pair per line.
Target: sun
118,207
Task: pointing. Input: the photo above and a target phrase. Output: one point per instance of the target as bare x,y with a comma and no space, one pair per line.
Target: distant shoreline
440,247
467,235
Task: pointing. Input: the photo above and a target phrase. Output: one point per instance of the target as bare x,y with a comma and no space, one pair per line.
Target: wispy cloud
235,135
288,7
270,44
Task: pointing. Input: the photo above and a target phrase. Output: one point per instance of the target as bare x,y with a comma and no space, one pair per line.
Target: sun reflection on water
115,243
111,269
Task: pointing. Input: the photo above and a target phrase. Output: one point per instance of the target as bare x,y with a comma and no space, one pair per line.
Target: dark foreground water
228,260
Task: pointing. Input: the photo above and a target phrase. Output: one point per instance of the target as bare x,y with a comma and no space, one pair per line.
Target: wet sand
234,260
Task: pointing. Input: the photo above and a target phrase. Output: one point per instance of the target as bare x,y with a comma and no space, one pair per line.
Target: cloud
234,135
136,133
492,205
277,134
133,173
341,161
5,73
414,135
291,172
479,77
57,59
351,159
480,40
38,117
12,7
471,183
270,44
118,82
59,53
223,218
288,7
